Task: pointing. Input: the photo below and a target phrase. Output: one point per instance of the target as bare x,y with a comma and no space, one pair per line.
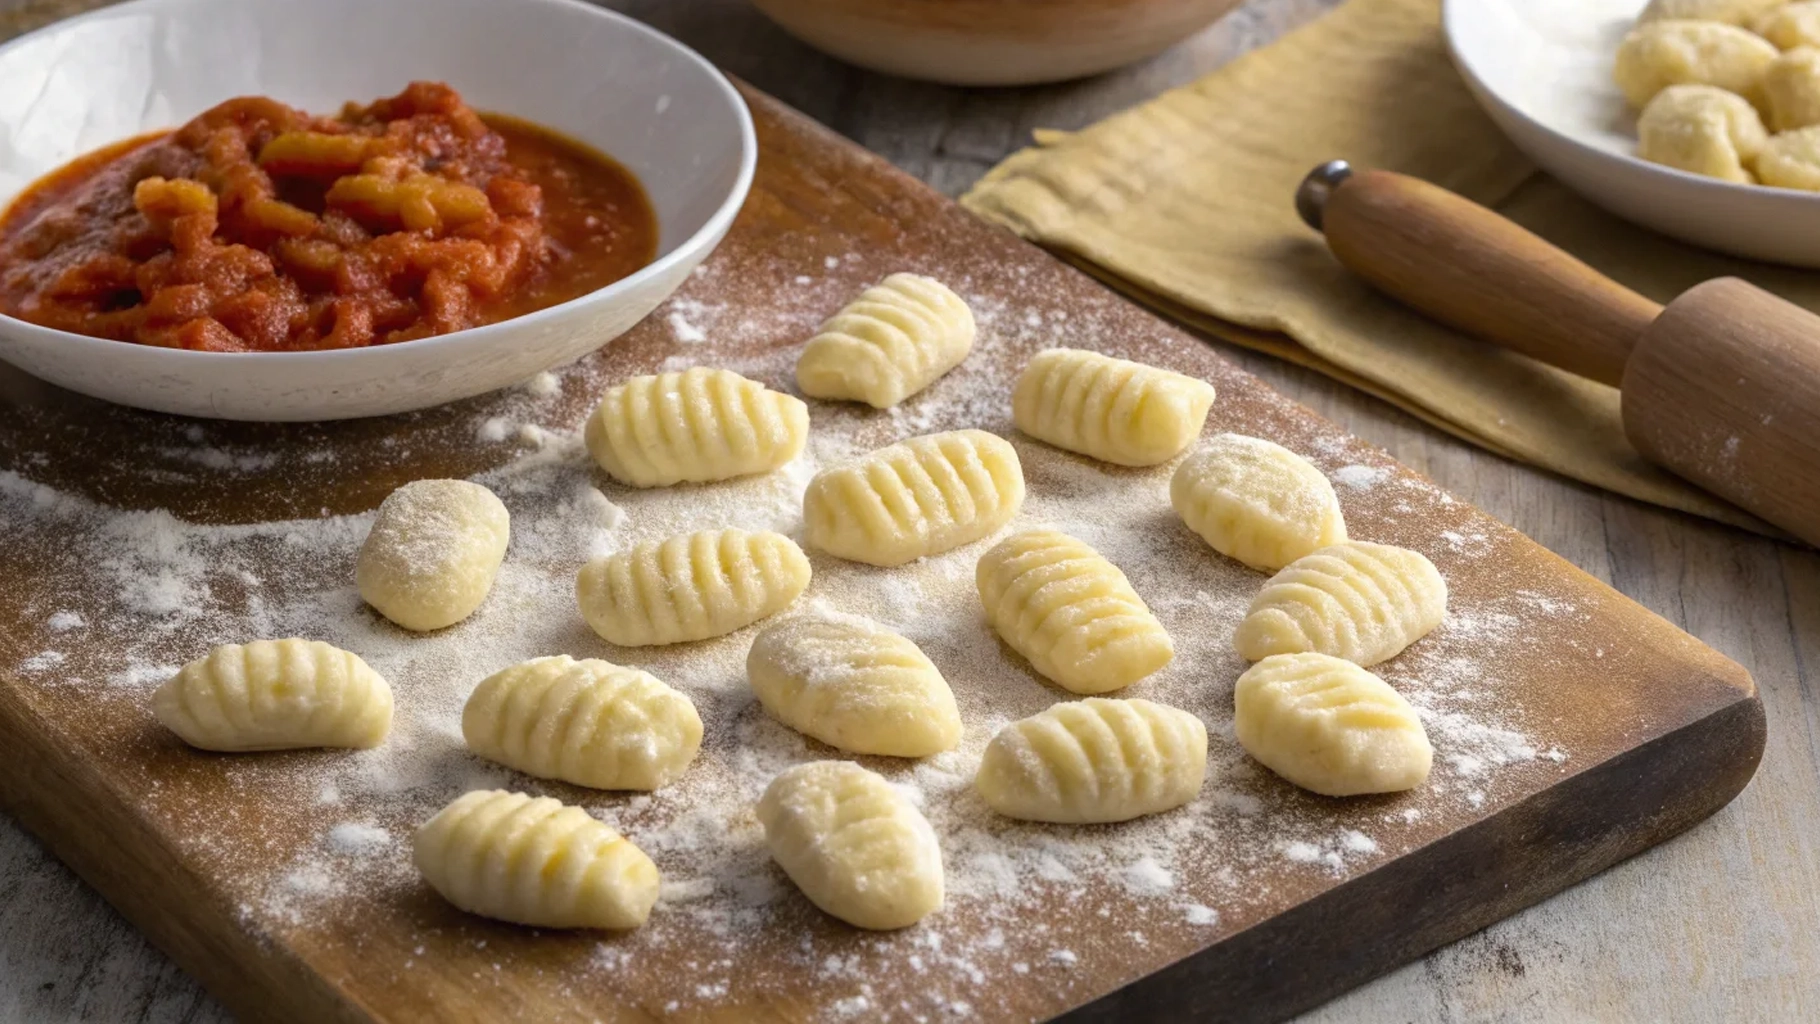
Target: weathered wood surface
1723,921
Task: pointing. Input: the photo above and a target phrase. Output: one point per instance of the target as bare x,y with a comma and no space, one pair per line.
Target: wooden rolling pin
1721,386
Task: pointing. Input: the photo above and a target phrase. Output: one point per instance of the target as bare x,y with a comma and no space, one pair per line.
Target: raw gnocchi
1071,612
276,695
1257,502
1790,25
432,553
1359,601
535,861
1114,410
1732,12
853,844
888,344
915,498
693,586
696,426
1792,160
1791,90
589,722
1703,130
853,684
1658,54
1094,760
1329,726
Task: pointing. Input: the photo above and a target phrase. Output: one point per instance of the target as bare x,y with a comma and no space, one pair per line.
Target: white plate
604,79
1542,70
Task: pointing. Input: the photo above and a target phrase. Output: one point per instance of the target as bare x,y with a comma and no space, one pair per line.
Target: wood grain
1724,389
1472,269
1721,922
1660,731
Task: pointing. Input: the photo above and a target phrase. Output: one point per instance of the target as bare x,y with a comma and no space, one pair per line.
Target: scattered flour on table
340,842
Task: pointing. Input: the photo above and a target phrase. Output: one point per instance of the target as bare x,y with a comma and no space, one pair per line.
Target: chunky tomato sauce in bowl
186,230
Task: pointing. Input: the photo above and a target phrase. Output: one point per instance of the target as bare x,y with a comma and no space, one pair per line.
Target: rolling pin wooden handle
1472,269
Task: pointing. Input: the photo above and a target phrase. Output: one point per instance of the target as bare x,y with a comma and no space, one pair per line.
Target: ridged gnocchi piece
695,426
589,722
1094,760
1359,601
432,553
1071,612
853,844
915,498
1256,501
1114,410
694,586
888,344
276,695
1329,726
853,684
1702,130
1658,54
535,861
1732,12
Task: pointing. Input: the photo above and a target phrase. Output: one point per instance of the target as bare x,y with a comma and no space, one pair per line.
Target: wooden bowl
993,42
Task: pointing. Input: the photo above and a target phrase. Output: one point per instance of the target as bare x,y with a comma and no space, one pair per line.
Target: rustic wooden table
1723,921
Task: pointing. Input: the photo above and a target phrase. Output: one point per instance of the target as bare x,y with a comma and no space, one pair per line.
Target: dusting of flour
127,596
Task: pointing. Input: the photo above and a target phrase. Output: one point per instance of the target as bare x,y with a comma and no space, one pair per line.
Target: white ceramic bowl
1542,70
599,77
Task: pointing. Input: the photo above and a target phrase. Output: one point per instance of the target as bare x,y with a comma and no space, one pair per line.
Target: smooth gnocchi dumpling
276,695
1094,760
1071,612
915,498
853,684
535,861
1658,54
589,722
1257,502
1791,160
1114,410
1732,12
693,586
1703,130
1791,89
853,844
432,553
1329,726
1790,25
1359,601
888,344
695,426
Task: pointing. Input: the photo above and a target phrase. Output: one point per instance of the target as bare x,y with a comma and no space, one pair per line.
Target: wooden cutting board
1573,728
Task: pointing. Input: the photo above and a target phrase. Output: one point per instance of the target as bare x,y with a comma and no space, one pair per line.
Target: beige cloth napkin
1186,202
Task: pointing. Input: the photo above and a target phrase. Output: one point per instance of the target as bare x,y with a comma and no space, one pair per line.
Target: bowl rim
1451,15
689,248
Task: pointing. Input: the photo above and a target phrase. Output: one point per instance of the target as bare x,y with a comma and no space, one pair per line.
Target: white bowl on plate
628,90
1542,70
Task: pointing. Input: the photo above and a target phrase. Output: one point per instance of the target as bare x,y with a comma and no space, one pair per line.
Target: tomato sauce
258,227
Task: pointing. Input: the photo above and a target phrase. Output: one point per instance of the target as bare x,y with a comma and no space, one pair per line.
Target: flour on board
157,591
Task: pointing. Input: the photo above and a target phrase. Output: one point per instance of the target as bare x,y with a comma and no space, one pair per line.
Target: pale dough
588,722
888,344
1256,501
853,684
694,586
276,695
432,553
1094,760
1114,410
1658,54
1791,25
1703,130
1732,12
1329,726
1791,89
696,426
535,861
1792,160
853,844
1359,601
